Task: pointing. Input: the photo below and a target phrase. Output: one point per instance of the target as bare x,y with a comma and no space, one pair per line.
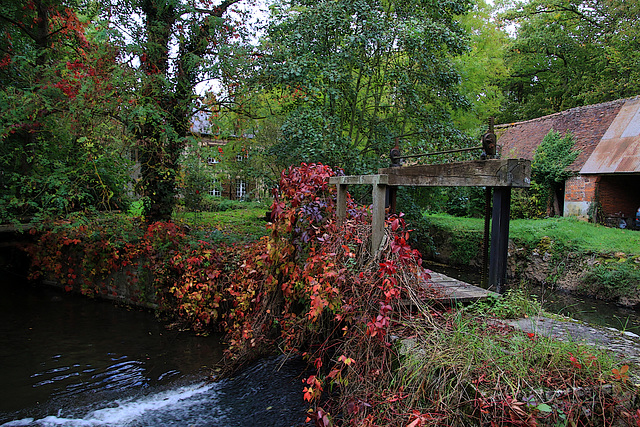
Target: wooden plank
476,173
359,179
456,291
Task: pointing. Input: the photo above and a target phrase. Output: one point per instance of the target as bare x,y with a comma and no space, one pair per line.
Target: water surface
73,361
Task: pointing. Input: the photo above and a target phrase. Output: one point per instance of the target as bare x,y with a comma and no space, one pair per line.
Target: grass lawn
244,223
580,235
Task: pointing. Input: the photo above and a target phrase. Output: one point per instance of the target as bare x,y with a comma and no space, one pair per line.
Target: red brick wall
581,188
619,194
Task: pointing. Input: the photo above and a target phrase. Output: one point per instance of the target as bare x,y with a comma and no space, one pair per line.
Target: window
212,160
214,189
241,188
241,157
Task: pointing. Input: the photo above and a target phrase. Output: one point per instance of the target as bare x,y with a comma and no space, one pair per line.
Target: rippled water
71,361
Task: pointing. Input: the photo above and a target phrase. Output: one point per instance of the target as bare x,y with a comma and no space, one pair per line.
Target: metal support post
484,281
499,238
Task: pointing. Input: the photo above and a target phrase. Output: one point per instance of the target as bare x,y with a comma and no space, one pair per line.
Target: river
66,360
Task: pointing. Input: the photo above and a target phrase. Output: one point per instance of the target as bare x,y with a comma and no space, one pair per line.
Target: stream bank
548,263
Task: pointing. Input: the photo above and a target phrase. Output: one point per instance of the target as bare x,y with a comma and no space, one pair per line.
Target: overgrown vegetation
613,278
381,354
550,168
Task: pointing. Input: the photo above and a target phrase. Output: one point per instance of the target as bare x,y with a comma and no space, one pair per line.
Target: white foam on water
127,411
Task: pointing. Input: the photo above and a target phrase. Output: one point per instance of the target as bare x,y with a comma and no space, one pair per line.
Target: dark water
66,360
580,308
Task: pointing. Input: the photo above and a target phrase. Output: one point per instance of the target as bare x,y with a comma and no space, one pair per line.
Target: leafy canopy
569,53
61,149
354,76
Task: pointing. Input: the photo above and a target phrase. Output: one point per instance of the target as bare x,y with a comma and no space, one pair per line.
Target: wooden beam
359,179
476,173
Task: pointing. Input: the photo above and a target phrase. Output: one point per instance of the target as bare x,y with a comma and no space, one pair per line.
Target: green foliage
352,76
229,221
569,53
482,68
550,166
552,158
529,203
179,45
463,369
61,150
467,245
513,304
612,279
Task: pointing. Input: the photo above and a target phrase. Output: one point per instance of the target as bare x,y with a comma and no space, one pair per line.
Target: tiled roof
588,125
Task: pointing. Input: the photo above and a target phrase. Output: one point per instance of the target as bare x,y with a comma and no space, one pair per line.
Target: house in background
229,177
608,166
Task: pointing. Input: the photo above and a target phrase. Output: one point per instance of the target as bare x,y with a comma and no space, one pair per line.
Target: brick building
608,166
226,162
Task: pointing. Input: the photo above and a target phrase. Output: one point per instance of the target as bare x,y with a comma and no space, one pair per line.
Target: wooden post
379,193
379,183
341,202
499,238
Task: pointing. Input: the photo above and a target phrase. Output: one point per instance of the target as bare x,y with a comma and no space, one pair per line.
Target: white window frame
212,160
241,188
214,189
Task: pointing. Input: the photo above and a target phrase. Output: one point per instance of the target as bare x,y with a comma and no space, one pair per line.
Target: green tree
61,149
177,45
355,76
569,53
482,68
549,168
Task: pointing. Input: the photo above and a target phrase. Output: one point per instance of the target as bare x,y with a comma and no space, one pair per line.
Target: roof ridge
569,111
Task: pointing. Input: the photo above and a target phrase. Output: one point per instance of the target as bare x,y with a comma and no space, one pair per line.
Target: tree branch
220,10
19,25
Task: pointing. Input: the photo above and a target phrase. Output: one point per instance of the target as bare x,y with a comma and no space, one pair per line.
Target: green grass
464,356
580,235
244,223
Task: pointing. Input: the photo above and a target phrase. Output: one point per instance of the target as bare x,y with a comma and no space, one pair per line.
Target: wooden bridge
500,175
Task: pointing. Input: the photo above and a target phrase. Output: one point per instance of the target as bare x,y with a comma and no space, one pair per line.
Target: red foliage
312,286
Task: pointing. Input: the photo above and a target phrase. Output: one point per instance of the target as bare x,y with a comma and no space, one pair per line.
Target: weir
500,175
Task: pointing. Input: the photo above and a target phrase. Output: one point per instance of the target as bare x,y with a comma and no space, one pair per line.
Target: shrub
612,279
